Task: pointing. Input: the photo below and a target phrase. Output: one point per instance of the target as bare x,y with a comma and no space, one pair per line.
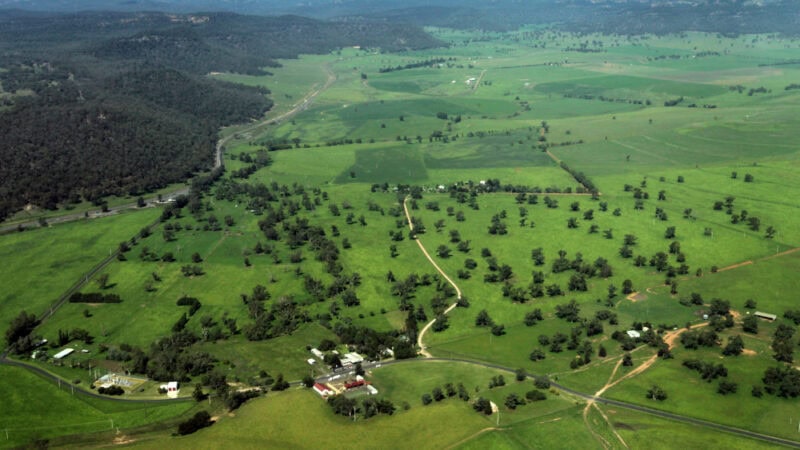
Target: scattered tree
656,393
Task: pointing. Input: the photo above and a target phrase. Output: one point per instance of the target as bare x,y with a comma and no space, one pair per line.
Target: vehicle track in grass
473,436
593,404
600,400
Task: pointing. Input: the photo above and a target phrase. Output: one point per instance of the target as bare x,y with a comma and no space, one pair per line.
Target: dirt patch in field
123,440
637,297
749,352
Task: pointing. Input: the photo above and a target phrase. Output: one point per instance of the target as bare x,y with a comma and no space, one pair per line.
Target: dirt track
669,339
427,326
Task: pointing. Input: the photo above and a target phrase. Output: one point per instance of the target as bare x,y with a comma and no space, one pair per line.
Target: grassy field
487,112
643,431
47,261
540,424
462,427
59,412
297,409
686,389
290,83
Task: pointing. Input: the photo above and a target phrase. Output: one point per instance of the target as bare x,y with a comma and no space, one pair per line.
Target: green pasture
645,431
310,167
773,291
408,382
288,83
667,143
38,409
284,354
391,119
729,245
384,120
625,86
689,395
401,383
144,315
475,159
42,263
642,224
563,430
435,82
282,420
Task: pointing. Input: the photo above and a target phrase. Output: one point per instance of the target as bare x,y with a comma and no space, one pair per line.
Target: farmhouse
172,386
322,389
634,334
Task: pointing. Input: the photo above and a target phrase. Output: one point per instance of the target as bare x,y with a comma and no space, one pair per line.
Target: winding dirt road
427,326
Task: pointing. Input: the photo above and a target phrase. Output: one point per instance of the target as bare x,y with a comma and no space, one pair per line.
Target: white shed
63,353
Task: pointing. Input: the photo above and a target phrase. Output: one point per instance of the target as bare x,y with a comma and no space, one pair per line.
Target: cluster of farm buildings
340,384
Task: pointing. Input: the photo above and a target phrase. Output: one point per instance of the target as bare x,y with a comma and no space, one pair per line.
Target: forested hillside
98,104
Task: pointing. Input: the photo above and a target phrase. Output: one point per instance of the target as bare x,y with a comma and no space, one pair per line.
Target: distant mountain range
618,16
333,8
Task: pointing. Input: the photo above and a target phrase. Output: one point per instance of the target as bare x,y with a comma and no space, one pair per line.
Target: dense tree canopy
126,109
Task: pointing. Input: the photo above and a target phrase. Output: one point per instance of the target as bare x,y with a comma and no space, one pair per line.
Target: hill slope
114,103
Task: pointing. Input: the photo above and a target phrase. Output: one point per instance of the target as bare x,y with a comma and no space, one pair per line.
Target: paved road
91,214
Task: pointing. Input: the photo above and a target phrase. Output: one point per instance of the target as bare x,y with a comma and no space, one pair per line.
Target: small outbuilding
63,353
766,316
354,384
172,388
633,334
351,358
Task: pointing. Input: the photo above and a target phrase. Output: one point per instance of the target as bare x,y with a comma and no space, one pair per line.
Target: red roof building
322,390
